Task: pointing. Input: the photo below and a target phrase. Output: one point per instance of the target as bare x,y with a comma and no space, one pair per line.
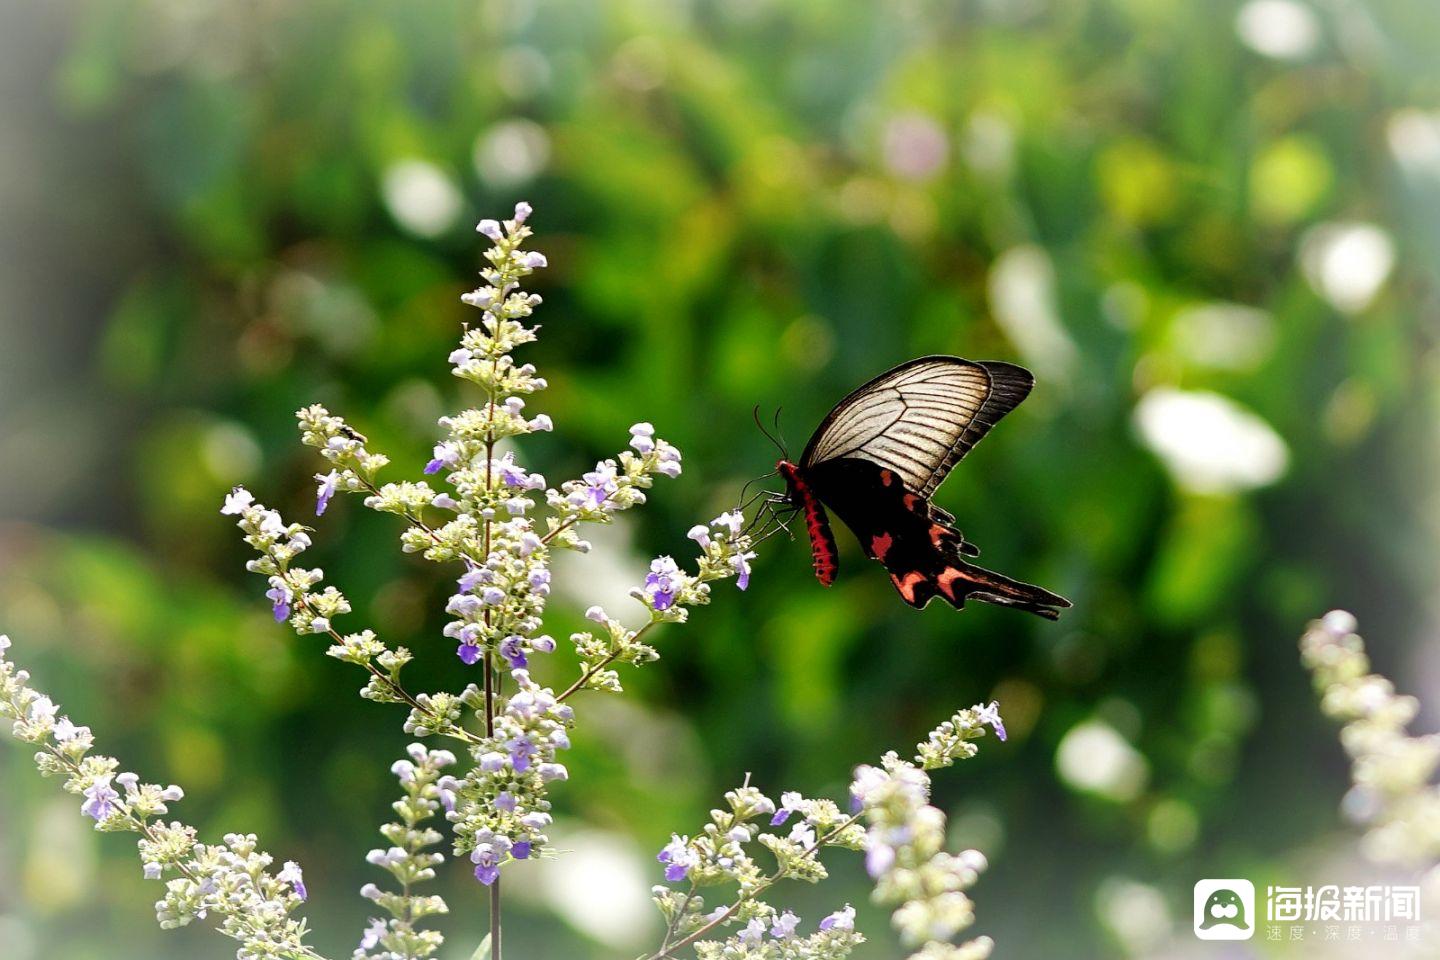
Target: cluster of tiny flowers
890,819
614,485
951,740
483,519
229,883
721,854
1393,792
904,854
409,860
295,595
500,809
668,594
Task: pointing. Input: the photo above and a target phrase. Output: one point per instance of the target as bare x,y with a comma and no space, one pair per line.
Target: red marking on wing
947,579
880,545
939,534
887,477
906,584
910,501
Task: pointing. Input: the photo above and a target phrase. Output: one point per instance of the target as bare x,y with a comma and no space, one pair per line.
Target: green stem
761,887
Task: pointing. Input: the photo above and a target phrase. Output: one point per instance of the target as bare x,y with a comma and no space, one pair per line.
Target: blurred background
1213,231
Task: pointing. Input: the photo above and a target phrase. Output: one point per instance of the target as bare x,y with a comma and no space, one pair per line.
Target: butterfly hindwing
915,541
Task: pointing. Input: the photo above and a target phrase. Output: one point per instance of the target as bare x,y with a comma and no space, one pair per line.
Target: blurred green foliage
216,212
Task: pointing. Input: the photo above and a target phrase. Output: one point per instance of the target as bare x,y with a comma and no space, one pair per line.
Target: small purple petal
487,874
468,653
434,465
521,850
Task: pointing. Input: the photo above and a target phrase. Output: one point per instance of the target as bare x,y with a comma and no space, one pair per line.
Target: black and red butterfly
880,454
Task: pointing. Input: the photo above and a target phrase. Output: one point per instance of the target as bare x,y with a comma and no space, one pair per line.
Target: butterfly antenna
768,435
784,447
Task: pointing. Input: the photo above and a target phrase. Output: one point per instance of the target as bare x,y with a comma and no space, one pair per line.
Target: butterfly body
817,525
880,454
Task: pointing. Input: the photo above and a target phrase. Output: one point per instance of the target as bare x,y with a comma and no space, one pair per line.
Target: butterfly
878,457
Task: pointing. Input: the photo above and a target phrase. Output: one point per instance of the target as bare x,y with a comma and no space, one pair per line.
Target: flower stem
766,883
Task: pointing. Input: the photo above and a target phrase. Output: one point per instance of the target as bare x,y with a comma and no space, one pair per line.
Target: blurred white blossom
1209,443
421,197
1282,29
1347,263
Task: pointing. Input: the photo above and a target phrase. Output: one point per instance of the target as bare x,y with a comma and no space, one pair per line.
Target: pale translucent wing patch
921,418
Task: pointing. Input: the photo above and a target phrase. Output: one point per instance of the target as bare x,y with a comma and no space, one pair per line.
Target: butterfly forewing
920,418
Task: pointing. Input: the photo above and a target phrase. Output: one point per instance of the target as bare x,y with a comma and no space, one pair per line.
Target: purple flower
784,926
663,582
535,260
511,473
677,857
840,919
990,714
879,857
326,490
521,749
521,850
446,454
867,780
468,652
373,933
505,801
291,874
447,785
741,563
789,801
513,650
599,486
642,437
100,798
472,578
490,228
279,595
490,850
523,211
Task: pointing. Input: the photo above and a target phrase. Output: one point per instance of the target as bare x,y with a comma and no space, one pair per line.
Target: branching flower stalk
229,883
890,819
498,524
498,807
495,793
1394,794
